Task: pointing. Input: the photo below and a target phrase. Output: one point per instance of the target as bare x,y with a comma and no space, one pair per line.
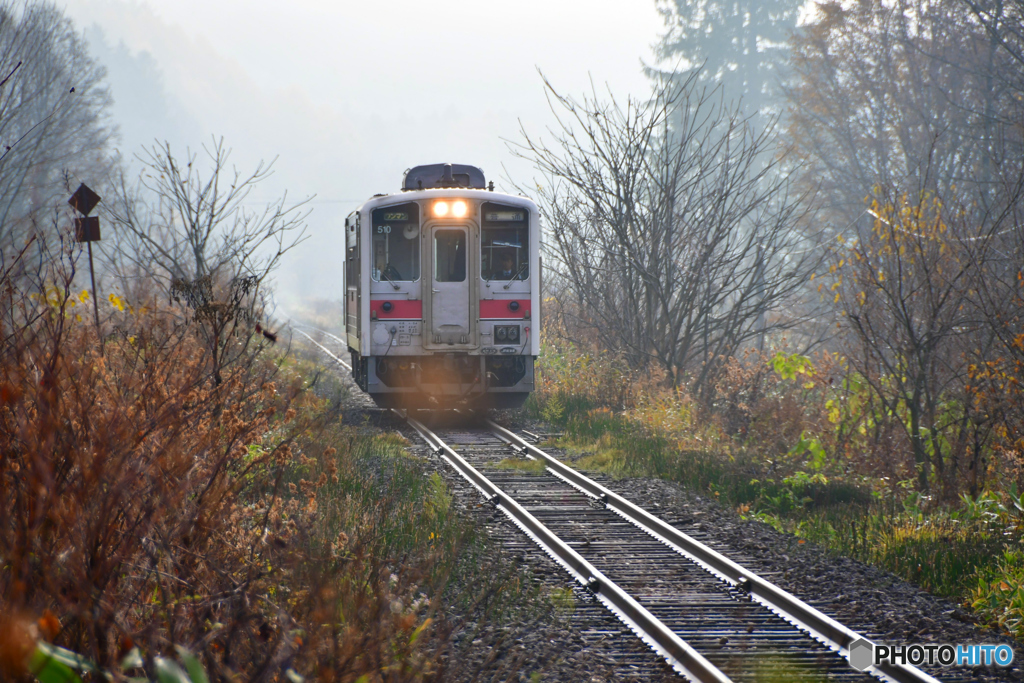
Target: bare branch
673,231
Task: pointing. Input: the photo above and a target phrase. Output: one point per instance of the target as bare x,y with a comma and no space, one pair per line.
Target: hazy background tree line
846,174
176,224
848,184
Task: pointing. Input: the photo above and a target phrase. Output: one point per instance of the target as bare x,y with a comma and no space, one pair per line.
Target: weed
998,596
563,600
530,466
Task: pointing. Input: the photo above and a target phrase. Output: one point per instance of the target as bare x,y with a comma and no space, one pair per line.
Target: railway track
704,613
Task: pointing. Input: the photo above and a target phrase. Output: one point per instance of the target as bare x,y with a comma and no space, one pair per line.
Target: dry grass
148,505
143,500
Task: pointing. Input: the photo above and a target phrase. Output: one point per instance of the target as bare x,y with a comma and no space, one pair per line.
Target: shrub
131,509
149,505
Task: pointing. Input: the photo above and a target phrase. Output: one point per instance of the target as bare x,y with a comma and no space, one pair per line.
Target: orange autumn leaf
49,625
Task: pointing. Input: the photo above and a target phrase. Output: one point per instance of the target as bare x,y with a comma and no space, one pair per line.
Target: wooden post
95,299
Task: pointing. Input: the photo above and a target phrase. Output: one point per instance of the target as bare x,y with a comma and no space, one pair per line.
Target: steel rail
324,348
329,334
791,608
676,651
292,321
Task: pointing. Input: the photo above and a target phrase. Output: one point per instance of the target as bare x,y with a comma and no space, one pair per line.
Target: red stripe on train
502,309
400,308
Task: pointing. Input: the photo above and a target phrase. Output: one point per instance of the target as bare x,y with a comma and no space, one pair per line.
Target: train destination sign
504,216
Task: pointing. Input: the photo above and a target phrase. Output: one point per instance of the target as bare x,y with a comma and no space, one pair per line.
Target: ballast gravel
871,601
583,642
587,644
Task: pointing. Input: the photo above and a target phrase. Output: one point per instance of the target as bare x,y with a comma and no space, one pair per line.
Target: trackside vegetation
807,302
162,525
796,442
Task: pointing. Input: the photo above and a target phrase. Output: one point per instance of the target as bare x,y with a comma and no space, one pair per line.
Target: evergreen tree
742,43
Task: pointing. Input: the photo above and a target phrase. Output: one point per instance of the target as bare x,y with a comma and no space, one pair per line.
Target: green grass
998,596
376,479
613,443
937,553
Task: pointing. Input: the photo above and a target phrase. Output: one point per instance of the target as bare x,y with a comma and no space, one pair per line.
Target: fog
348,95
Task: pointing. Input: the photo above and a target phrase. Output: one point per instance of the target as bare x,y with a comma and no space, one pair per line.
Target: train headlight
501,333
459,208
441,209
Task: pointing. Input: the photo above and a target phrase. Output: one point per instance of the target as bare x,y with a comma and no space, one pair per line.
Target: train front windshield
395,245
504,243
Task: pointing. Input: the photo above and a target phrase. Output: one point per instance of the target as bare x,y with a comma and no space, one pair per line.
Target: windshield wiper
521,269
384,275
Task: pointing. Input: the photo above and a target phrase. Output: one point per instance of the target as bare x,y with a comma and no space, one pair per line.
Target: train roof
444,180
443,176
379,200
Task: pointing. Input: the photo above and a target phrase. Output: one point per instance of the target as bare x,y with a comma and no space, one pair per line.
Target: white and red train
443,292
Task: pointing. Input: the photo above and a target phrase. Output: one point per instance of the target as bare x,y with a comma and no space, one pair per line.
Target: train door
449,285
352,275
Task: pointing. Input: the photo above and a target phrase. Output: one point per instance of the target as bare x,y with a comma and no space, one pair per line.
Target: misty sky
349,94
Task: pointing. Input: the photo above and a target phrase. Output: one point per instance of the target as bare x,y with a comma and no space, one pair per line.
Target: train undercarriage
450,380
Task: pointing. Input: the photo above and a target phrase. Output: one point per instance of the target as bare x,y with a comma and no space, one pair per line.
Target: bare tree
899,94
674,236
177,221
904,292
53,115
996,291
191,233
1004,22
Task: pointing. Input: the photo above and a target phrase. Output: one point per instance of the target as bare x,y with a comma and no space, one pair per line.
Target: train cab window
449,255
504,243
395,247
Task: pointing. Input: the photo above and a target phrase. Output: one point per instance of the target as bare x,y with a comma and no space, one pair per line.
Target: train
443,285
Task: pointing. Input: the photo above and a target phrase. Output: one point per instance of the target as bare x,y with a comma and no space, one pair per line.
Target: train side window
504,241
449,256
395,245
